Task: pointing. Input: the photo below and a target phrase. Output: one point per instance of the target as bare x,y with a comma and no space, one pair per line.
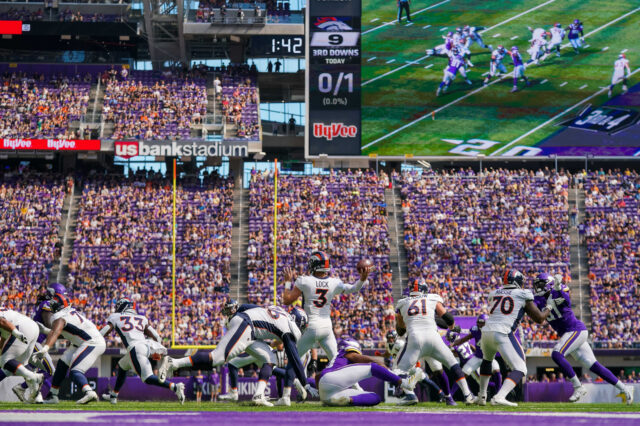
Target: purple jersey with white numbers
455,63
574,31
477,335
562,318
517,59
464,352
42,307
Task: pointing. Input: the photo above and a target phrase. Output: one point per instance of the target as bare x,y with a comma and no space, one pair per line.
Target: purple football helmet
482,319
576,21
348,342
542,284
56,288
451,336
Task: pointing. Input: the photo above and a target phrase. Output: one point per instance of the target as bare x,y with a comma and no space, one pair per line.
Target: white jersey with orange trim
129,326
17,319
506,309
78,329
318,293
419,312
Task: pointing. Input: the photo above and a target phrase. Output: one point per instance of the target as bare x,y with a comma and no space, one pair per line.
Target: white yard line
426,26
485,74
514,37
584,86
604,49
544,81
517,16
496,35
390,61
417,120
428,66
443,29
413,14
624,50
364,83
552,119
374,20
371,59
409,24
564,84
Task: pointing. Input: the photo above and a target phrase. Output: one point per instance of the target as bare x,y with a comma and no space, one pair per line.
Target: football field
402,115
192,413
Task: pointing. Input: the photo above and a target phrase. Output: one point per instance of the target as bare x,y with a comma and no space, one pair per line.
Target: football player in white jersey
248,328
416,315
472,35
621,72
18,335
133,330
557,35
507,306
86,346
496,67
317,290
538,50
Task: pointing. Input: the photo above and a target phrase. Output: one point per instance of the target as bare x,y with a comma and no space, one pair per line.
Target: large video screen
494,78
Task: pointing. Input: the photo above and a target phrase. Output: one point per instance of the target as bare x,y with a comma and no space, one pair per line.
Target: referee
403,5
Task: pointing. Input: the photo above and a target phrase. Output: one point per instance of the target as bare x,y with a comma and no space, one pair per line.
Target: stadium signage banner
604,119
51,144
127,150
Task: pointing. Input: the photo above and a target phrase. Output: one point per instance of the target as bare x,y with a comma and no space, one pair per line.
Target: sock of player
564,365
365,399
26,373
120,379
286,392
383,374
485,375
510,383
12,366
58,376
155,381
262,385
233,376
461,381
607,375
443,381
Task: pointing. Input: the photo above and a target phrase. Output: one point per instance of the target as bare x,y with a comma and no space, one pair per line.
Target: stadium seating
342,213
123,247
611,235
41,106
239,99
148,105
463,229
30,212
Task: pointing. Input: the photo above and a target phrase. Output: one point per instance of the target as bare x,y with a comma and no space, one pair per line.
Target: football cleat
19,392
285,401
578,393
625,89
438,92
88,397
179,391
481,400
449,401
52,399
38,399
230,396
112,398
302,392
261,400
470,399
34,387
502,401
165,367
408,399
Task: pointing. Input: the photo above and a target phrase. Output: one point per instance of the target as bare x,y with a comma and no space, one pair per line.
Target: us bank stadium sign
51,144
604,119
127,149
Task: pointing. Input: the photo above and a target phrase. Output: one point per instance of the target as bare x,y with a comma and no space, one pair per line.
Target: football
364,263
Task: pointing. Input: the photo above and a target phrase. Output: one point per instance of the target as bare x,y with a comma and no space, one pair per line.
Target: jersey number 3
322,297
505,302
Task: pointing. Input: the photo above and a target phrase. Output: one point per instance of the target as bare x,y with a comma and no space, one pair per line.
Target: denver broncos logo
330,23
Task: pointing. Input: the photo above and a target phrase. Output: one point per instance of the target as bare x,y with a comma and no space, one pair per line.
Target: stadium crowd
238,96
123,247
611,233
341,213
38,106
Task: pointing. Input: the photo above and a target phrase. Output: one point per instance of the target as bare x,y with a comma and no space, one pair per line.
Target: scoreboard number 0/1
325,82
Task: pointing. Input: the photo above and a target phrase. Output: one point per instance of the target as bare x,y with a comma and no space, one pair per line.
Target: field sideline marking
364,83
552,119
414,13
455,101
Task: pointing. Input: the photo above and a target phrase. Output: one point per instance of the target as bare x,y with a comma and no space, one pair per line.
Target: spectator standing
403,5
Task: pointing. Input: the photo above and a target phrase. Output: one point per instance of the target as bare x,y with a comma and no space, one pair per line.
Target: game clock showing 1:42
277,46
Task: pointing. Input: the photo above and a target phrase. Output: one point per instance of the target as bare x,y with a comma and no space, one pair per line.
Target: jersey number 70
505,302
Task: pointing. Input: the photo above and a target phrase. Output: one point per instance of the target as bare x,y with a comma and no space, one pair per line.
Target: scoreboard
333,77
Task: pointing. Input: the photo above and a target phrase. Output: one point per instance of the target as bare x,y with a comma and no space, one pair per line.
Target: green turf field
316,406
399,82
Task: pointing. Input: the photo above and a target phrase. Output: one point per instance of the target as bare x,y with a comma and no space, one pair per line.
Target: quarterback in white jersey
496,67
19,334
416,315
317,291
507,306
621,72
538,50
86,346
557,35
134,331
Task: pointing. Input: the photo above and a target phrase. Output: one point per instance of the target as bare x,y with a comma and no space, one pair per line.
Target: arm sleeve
353,288
440,322
154,333
292,356
104,330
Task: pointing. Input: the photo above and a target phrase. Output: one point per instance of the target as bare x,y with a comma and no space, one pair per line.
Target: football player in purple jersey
455,65
518,68
575,35
338,382
550,292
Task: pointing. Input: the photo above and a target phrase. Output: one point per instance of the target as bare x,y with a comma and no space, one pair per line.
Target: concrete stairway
238,288
398,255
68,223
579,286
